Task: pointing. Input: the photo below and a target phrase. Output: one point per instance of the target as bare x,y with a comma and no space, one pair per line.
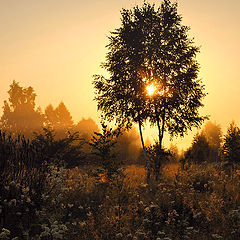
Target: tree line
56,131
211,146
22,116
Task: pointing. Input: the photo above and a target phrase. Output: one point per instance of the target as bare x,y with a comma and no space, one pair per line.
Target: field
200,202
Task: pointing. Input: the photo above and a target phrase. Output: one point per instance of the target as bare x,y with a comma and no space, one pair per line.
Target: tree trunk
160,137
145,152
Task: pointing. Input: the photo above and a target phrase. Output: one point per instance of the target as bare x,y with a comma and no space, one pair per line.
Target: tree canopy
151,47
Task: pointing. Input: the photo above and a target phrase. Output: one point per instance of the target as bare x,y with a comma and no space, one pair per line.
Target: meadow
194,202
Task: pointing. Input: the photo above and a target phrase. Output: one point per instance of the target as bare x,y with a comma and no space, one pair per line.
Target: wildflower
129,236
4,234
216,236
25,190
161,233
70,205
119,235
147,209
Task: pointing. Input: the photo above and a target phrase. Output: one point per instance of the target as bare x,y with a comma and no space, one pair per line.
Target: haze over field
56,46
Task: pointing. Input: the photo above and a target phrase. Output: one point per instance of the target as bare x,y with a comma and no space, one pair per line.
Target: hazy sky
56,46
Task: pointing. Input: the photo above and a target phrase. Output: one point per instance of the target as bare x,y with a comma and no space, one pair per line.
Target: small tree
102,145
231,144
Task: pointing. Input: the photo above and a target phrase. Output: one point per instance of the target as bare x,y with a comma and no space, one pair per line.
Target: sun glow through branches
151,89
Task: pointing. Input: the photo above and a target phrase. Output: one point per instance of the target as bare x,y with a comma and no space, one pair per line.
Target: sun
151,89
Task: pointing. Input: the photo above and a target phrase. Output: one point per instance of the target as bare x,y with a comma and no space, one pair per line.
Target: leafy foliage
213,133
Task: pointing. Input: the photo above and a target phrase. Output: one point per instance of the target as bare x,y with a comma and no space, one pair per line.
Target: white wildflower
216,236
119,235
4,234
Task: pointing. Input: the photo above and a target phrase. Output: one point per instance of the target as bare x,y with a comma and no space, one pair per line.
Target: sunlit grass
135,175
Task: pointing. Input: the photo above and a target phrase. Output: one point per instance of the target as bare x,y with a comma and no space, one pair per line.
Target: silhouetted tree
199,150
231,144
151,48
20,115
59,119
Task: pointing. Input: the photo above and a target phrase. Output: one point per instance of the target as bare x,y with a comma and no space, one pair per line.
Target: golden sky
56,46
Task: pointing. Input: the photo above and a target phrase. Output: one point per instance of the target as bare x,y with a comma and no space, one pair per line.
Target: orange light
151,89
